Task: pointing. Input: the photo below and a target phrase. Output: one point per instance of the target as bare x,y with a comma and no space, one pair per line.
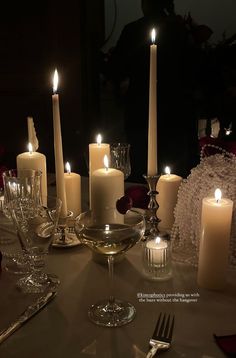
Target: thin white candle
152,121
59,164
216,221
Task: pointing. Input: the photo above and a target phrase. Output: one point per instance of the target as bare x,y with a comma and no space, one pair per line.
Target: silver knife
26,315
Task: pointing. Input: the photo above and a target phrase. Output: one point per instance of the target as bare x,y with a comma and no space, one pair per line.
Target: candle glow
30,147
158,240
99,139
68,167
105,161
218,195
55,81
167,170
153,35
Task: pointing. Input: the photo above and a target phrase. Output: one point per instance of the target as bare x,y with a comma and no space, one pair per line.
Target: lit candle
107,186
216,221
157,251
97,151
167,187
36,161
73,190
152,122
59,164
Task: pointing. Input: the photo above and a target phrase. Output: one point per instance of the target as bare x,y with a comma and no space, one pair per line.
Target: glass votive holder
157,257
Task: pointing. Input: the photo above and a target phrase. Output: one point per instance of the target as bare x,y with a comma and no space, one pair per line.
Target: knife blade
28,313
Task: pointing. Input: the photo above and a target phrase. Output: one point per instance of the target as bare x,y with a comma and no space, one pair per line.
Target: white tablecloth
62,328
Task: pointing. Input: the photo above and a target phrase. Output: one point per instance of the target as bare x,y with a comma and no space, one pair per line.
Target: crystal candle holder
157,257
156,253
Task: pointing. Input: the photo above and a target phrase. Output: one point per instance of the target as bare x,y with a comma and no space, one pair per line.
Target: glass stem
110,261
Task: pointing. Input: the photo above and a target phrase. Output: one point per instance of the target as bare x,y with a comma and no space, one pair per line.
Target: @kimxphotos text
177,297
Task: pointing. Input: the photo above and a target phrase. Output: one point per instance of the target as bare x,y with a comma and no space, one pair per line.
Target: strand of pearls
218,170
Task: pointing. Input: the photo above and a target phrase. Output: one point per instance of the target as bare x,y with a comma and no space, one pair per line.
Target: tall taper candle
59,164
152,121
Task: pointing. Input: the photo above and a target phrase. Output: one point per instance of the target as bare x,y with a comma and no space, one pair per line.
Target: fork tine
156,328
166,330
171,328
162,326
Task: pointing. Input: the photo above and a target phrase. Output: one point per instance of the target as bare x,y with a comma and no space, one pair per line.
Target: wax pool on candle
36,161
167,187
152,121
216,221
59,164
73,191
107,186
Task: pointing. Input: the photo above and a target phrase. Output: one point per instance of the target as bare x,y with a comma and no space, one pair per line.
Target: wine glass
120,157
36,226
110,238
23,184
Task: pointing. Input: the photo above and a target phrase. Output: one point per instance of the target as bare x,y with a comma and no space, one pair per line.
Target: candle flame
30,147
68,167
158,240
106,162
153,35
99,139
218,195
167,170
55,81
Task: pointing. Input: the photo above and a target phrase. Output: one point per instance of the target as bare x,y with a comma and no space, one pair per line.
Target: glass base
116,314
38,284
16,263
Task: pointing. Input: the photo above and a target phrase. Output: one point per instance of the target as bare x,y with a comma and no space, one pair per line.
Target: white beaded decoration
218,170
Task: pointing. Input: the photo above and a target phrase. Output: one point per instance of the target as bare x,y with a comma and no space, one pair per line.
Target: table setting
99,267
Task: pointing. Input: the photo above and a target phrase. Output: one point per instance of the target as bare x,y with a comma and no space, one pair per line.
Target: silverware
162,335
26,315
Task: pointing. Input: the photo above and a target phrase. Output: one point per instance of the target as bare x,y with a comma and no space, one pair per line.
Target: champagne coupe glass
23,185
110,237
36,226
120,158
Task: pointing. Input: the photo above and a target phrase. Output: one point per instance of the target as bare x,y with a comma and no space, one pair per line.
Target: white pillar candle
107,186
152,121
73,191
36,161
216,221
97,151
59,164
157,251
167,187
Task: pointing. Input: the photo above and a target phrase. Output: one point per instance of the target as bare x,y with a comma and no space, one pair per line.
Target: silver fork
162,335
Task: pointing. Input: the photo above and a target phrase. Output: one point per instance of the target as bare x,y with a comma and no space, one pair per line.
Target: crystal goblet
110,238
120,157
23,184
36,226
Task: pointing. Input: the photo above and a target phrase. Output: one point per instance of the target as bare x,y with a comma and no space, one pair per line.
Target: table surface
63,329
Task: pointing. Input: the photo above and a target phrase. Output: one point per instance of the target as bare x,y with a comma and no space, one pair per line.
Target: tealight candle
73,191
157,248
36,161
216,221
107,186
167,187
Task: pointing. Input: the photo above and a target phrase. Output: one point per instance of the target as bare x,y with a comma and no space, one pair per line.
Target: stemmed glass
110,238
23,185
36,226
120,157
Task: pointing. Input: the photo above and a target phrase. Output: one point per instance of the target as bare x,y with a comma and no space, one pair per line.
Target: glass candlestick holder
156,247
65,234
